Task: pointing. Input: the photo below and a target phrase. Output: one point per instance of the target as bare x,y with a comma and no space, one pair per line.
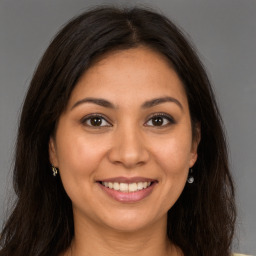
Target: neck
90,240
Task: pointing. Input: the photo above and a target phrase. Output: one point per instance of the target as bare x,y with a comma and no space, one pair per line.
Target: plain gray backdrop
223,31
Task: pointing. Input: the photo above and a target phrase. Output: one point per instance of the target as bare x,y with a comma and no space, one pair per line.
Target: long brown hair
202,220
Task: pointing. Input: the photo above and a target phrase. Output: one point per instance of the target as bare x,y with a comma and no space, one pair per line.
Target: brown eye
160,120
95,121
157,121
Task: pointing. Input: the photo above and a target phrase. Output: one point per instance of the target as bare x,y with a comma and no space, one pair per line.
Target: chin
130,221
128,225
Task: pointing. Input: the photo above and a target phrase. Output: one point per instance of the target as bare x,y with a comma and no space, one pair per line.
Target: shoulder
238,254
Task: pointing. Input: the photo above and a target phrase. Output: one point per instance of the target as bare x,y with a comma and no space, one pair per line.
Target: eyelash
167,117
91,116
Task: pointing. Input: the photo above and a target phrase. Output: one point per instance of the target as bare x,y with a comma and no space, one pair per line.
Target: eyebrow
100,102
147,104
157,101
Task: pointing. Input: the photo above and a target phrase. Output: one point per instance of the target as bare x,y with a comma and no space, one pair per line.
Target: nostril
128,157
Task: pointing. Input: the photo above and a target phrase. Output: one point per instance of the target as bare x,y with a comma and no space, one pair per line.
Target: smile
126,187
128,190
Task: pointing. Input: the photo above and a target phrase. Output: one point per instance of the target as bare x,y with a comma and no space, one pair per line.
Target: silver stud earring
190,179
54,171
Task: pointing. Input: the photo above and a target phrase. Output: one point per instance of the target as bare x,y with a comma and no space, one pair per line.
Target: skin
127,144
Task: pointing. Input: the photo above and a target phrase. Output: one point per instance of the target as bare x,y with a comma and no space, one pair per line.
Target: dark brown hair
202,220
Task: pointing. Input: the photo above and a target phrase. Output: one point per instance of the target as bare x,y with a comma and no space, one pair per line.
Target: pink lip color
128,197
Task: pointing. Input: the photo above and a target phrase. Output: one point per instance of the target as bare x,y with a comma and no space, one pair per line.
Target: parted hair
41,222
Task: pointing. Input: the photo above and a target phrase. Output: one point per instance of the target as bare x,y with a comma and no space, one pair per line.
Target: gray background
224,32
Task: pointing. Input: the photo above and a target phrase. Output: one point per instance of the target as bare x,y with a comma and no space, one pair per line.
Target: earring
54,171
190,179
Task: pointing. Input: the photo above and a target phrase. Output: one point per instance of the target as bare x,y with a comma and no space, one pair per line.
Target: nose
128,148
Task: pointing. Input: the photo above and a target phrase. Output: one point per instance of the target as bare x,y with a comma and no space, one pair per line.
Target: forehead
138,73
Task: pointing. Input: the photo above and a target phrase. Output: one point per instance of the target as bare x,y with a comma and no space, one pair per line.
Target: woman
120,149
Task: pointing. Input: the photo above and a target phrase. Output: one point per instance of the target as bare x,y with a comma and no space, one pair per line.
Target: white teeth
127,187
140,186
115,186
133,187
123,187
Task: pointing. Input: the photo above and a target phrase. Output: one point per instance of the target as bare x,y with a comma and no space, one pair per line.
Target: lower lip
128,197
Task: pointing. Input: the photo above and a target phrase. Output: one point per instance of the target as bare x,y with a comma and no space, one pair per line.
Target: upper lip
128,179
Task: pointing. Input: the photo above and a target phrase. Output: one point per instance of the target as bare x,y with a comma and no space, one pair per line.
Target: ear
195,143
53,153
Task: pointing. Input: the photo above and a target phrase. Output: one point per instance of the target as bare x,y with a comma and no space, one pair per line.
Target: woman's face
124,144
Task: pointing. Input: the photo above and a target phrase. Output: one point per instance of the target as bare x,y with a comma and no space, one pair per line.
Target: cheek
173,160
79,157
174,154
78,154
